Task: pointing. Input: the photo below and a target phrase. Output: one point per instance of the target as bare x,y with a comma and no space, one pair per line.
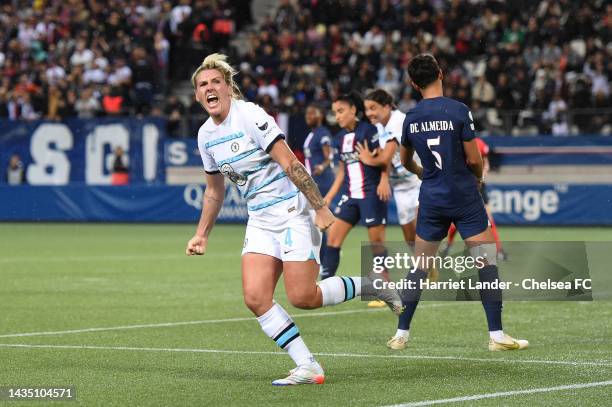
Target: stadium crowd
539,56
92,58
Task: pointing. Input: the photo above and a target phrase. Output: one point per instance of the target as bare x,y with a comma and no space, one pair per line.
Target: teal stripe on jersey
260,167
273,201
238,157
264,184
284,339
224,139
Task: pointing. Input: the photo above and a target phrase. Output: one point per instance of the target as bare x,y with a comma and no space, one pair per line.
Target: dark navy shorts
324,187
433,222
371,210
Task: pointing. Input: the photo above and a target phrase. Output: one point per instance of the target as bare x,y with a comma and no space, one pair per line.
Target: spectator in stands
66,106
15,174
82,55
389,78
112,101
143,78
483,92
87,106
53,103
560,126
120,174
268,88
600,88
94,74
310,51
407,102
175,112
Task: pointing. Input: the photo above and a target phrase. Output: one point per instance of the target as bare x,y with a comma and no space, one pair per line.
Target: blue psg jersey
359,179
436,128
314,155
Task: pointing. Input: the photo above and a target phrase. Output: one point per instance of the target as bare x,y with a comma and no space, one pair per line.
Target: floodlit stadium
304,202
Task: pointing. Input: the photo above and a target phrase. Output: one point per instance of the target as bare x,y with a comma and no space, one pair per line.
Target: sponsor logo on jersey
263,126
349,157
235,147
234,176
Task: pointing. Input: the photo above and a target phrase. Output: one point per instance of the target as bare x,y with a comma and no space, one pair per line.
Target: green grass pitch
136,280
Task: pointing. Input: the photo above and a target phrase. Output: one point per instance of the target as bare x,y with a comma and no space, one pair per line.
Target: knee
334,239
258,304
303,299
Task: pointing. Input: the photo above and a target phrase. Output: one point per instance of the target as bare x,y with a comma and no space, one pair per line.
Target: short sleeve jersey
436,128
400,178
239,148
359,179
314,155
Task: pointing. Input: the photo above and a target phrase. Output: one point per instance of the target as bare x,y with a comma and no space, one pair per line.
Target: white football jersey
400,177
239,148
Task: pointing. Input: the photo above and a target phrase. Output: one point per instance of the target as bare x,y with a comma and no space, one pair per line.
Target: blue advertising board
549,150
511,204
81,151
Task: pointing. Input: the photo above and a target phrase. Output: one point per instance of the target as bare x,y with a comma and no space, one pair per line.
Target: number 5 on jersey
431,142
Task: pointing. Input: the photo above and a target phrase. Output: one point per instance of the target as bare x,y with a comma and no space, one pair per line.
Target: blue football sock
323,246
491,299
331,259
410,299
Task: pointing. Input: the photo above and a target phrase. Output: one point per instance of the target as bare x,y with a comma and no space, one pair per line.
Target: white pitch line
127,257
340,355
180,323
205,321
505,394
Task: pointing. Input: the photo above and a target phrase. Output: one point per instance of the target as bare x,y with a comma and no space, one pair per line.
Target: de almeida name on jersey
432,125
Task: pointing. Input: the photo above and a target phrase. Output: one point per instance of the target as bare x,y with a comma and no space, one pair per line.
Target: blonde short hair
219,62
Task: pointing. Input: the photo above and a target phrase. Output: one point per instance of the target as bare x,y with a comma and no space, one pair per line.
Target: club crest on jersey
235,177
235,146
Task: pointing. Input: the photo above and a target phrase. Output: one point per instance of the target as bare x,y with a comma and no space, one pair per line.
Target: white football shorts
298,240
407,202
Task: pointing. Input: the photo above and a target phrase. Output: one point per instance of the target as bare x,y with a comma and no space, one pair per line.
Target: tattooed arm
297,173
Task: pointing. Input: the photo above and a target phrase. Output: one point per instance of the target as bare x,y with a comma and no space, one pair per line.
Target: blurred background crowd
525,67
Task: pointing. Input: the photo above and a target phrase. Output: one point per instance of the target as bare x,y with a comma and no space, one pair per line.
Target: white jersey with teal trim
400,178
239,148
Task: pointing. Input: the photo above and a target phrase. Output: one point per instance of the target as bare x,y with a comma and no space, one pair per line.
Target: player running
242,142
362,198
318,154
441,130
501,254
380,110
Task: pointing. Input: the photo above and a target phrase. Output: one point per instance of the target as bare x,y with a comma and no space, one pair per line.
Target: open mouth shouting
212,101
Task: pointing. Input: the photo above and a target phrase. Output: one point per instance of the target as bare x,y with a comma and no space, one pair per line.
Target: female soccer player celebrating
242,142
380,110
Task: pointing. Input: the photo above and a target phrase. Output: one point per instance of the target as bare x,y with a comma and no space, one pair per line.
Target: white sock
402,333
497,336
336,290
279,326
